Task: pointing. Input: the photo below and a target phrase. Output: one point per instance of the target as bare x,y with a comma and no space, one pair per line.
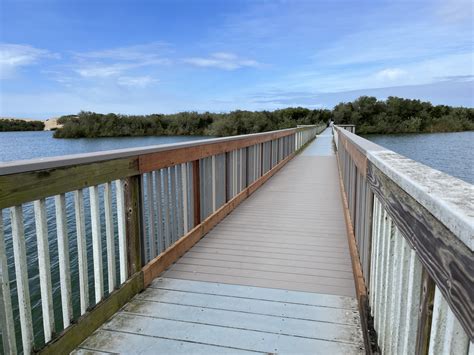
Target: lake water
29,145
452,153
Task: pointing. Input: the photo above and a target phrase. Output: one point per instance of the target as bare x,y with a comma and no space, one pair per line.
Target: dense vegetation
20,125
394,115
397,115
91,124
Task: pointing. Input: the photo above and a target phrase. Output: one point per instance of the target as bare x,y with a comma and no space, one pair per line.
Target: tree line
370,115
7,124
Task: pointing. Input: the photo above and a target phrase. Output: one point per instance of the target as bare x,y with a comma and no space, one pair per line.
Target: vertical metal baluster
21,271
7,325
122,235
213,179
64,264
179,201
96,243
166,209
173,223
81,250
110,237
159,209
44,269
190,170
151,214
184,183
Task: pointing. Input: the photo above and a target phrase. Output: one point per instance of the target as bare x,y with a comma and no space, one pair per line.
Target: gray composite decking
274,276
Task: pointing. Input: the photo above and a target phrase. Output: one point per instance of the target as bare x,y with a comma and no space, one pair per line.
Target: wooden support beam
425,313
132,194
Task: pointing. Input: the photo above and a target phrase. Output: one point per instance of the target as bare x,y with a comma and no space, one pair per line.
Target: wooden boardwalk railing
414,230
143,209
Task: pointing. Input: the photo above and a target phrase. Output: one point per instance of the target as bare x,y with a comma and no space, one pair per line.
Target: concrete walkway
273,277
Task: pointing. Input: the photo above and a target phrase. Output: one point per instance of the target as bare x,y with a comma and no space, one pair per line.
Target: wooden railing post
425,313
133,226
196,193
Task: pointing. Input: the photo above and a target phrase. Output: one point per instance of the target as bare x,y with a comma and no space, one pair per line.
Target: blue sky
60,57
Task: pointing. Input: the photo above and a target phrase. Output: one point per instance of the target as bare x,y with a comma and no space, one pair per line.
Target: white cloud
120,65
137,81
390,74
151,53
14,56
222,60
102,70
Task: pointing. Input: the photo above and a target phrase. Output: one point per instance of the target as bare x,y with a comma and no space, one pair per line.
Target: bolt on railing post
133,205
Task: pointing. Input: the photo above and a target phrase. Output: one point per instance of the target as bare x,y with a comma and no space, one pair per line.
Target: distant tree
20,125
393,115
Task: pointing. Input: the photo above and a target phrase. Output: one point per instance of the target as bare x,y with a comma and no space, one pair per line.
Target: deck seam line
261,246
183,340
355,324
267,300
301,267
258,278
239,328
274,272
341,264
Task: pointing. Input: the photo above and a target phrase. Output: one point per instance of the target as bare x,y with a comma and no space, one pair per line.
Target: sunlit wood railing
413,229
105,224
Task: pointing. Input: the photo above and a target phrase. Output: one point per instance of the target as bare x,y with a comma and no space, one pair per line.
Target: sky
141,57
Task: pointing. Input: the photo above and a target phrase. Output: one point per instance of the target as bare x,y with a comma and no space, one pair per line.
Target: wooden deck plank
268,261
319,251
237,291
257,322
226,336
252,306
265,267
261,282
122,342
260,274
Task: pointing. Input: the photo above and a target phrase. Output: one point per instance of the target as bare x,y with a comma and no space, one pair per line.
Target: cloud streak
15,56
222,60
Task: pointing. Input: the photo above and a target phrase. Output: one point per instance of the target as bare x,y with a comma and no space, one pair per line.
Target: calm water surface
29,145
452,153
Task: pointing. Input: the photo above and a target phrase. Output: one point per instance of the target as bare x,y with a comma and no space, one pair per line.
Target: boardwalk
274,276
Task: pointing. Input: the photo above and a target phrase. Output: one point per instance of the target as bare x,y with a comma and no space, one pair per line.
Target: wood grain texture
447,260
425,314
24,187
132,195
